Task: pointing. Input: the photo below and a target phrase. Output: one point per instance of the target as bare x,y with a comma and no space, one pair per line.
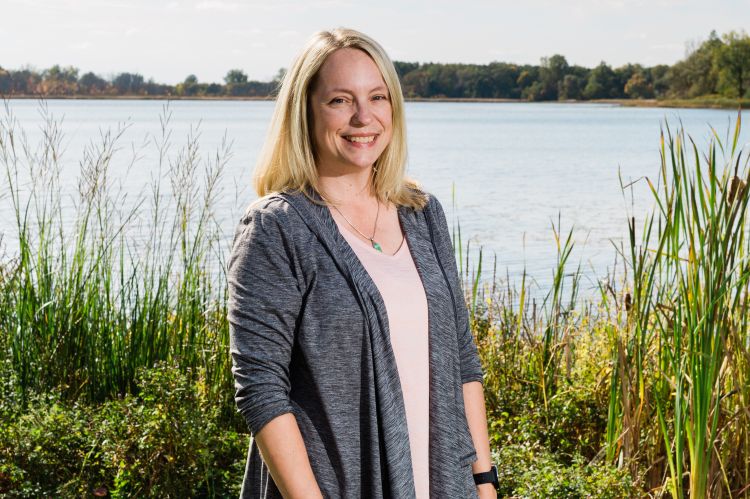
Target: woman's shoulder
415,197
272,206
269,218
267,225
435,212
429,200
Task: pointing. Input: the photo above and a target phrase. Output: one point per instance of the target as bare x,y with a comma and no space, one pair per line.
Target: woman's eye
380,97
337,100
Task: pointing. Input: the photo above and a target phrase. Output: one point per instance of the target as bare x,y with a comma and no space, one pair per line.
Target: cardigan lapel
393,430
444,446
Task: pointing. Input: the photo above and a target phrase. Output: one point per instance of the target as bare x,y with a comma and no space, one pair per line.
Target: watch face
495,478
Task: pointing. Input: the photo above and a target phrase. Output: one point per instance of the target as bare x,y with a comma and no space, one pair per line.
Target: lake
516,167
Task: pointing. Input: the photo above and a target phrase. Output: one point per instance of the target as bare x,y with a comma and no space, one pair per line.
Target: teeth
361,140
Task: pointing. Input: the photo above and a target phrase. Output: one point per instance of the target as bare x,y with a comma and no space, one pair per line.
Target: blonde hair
287,160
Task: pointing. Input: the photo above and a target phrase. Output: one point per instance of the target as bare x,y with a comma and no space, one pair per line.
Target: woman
354,364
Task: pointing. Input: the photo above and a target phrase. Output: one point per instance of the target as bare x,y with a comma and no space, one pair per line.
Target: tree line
719,66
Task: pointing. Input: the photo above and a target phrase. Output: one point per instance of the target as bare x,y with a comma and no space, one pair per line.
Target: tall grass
681,355
519,339
125,284
675,386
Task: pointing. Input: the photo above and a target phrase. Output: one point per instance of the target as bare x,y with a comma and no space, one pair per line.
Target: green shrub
577,422
531,472
167,442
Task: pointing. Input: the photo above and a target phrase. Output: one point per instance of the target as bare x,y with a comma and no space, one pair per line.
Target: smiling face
351,112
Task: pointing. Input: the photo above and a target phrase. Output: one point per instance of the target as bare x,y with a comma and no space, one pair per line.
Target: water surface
517,168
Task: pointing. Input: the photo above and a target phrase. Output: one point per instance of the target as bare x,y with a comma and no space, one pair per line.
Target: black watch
488,477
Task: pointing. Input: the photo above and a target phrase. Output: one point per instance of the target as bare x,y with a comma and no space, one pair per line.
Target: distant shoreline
708,103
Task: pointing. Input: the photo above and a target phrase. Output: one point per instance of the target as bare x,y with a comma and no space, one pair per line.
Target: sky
168,40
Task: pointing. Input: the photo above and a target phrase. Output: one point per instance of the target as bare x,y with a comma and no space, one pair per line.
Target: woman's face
351,112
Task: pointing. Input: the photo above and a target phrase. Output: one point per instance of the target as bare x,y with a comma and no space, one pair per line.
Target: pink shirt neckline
368,246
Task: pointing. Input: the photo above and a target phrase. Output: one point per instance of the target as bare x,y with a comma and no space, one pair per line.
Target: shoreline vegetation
115,375
713,74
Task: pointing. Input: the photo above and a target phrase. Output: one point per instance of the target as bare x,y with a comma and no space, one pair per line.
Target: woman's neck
352,188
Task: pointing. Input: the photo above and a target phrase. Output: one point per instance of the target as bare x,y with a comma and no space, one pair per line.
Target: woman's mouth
360,139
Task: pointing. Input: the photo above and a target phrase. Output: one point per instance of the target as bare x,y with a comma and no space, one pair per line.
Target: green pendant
376,246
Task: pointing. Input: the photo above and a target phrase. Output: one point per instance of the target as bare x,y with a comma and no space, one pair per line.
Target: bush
530,472
166,442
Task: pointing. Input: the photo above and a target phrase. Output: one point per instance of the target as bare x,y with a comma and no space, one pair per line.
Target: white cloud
217,5
668,47
79,45
248,32
327,4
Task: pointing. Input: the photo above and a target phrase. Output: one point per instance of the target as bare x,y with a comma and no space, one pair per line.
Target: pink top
401,287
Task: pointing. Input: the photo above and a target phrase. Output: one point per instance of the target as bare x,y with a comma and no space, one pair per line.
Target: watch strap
487,477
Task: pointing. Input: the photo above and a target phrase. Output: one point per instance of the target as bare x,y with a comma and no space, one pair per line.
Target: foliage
127,83
166,442
235,76
680,350
718,66
638,86
733,61
601,83
652,379
114,371
92,84
531,472
696,75
85,304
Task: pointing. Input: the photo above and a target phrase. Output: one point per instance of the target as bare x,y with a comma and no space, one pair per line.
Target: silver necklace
371,239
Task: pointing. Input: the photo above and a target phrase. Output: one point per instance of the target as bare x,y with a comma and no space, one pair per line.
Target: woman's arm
263,305
471,367
477,419
283,450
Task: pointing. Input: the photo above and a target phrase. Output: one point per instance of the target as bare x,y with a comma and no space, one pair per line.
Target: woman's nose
363,113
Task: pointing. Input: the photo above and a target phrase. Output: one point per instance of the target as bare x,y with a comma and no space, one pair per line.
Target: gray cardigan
309,336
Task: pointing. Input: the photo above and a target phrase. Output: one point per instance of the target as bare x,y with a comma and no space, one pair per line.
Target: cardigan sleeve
471,367
263,303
